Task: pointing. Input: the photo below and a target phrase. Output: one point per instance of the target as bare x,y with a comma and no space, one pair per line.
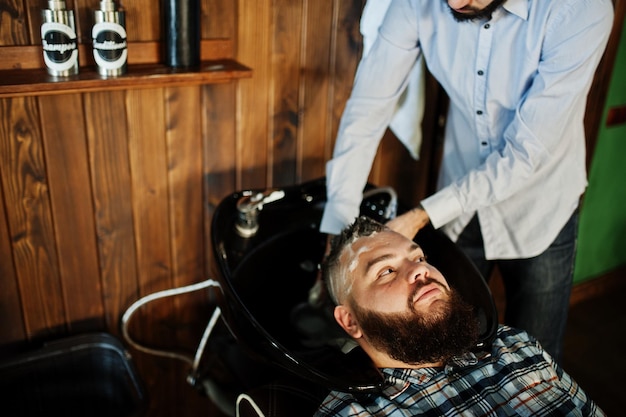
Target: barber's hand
409,223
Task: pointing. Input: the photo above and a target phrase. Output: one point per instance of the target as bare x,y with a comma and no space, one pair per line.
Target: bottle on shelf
59,40
109,40
181,22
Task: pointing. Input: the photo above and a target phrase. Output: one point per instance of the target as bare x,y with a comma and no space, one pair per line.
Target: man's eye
421,258
385,272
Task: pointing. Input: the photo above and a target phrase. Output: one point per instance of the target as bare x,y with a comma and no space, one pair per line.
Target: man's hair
333,273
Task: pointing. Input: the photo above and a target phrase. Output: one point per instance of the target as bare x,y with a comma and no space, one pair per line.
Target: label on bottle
109,45
60,46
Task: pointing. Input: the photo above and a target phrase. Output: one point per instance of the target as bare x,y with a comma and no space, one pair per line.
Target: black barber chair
274,354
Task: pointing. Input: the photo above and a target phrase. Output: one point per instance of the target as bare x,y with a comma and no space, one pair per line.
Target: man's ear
346,320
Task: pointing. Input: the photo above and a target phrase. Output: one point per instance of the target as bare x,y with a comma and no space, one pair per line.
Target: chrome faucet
248,208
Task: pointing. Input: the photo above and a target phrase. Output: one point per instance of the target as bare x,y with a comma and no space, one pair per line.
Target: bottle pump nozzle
56,4
107,6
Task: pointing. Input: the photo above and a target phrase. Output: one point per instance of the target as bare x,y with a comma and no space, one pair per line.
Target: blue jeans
538,289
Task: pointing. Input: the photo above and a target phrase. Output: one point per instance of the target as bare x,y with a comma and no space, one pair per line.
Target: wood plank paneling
12,23
83,16
394,166
219,132
28,212
185,197
143,19
185,207
318,48
147,152
70,193
12,325
219,19
148,167
284,106
33,20
112,195
348,47
253,49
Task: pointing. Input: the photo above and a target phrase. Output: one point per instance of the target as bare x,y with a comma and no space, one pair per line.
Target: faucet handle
256,201
267,197
248,208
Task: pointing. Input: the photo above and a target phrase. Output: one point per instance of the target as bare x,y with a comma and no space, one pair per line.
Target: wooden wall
106,197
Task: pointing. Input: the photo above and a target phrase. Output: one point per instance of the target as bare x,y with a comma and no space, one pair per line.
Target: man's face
404,306
464,10
388,273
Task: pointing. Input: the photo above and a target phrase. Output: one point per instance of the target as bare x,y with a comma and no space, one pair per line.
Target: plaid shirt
517,378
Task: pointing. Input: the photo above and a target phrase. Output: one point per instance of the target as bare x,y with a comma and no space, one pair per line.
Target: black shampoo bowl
265,281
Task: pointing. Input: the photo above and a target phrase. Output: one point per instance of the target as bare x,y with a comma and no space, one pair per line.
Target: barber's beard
479,14
414,338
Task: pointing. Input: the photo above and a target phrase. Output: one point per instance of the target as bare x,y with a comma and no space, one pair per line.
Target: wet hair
335,274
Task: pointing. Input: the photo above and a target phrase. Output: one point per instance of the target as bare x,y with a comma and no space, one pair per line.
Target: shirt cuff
442,207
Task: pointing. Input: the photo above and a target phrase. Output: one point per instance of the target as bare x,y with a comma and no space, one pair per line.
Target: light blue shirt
514,142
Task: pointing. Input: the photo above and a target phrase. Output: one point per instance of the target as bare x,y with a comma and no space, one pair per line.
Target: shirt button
479,112
480,72
487,25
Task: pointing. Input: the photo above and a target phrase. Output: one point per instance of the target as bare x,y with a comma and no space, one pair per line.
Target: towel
406,123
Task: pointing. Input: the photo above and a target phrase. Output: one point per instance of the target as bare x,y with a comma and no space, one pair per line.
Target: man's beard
484,13
416,339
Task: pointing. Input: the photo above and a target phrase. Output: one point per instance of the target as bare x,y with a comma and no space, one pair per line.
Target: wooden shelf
29,82
22,72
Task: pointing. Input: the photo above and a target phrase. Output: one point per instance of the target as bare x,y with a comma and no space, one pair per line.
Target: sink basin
265,280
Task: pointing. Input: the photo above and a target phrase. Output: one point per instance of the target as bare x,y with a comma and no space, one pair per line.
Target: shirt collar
517,7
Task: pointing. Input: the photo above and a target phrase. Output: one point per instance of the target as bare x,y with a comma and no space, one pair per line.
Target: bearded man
421,334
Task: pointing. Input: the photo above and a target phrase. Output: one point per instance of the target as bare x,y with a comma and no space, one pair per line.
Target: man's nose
418,271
